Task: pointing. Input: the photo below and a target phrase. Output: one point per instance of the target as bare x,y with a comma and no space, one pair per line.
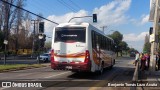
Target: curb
135,76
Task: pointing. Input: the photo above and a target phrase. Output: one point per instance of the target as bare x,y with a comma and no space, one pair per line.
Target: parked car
44,57
132,55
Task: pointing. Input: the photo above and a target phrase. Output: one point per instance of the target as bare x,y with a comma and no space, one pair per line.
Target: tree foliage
117,37
15,26
121,46
147,45
48,44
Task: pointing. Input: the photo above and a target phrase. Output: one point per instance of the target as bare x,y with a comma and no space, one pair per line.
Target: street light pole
38,51
103,28
5,42
154,44
40,36
5,55
34,22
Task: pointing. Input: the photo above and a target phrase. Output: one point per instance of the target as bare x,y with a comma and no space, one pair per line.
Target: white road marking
57,74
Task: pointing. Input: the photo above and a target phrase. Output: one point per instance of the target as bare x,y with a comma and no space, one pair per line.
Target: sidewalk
153,78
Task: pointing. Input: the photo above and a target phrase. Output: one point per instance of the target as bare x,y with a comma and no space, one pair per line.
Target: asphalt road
122,72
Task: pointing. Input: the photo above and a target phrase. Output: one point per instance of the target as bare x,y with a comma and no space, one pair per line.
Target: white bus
81,47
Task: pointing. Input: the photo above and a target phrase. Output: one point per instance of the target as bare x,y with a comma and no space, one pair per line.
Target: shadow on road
117,74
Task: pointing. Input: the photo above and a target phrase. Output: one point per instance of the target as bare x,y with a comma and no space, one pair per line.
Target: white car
44,57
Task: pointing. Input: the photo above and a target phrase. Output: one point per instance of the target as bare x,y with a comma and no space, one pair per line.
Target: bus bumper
71,66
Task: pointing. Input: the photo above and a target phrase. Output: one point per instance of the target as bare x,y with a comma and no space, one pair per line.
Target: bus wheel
110,67
114,62
100,72
75,71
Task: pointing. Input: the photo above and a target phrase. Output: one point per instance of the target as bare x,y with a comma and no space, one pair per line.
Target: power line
40,6
103,27
29,11
67,5
75,4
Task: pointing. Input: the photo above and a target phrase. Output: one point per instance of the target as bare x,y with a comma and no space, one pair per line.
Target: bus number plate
68,67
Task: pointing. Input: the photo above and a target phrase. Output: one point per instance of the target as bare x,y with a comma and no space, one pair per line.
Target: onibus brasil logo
17,84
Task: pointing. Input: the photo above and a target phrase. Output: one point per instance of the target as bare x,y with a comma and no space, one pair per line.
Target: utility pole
103,28
34,25
154,44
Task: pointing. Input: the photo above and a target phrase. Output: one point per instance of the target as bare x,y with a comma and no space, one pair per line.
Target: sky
129,17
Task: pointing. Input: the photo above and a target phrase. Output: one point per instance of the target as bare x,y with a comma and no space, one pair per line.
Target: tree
127,50
123,46
15,26
7,17
48,45
117,37
147,45
132,50
1,40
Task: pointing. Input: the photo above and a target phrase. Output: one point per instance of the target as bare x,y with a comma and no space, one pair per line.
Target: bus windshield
75,34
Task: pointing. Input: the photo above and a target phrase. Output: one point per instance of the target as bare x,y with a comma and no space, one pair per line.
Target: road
122,72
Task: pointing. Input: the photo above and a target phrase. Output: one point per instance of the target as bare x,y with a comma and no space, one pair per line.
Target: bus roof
72,24
83,24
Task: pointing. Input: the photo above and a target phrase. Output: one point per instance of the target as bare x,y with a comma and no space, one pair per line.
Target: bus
81,47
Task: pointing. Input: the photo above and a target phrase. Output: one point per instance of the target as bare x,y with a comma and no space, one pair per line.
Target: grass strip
19,66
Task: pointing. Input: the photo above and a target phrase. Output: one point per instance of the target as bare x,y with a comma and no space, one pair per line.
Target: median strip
14,67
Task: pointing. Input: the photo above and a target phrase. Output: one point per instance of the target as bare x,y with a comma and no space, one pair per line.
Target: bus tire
100,72
114,62
110,67
75,71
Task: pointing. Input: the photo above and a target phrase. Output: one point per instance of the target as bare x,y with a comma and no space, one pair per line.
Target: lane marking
57,74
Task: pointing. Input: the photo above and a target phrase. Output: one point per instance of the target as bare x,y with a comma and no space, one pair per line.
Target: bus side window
109,44
105,43
112,45
102,42
93,40
96,39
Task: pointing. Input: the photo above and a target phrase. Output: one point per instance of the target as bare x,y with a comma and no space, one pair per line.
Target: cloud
63,19
138,45
134,37
109,14
113,13
145,19
135,40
